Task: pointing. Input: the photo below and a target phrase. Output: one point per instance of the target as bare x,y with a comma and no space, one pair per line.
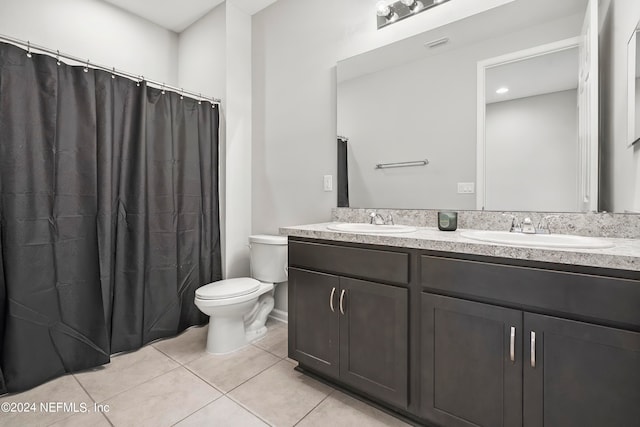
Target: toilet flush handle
286,271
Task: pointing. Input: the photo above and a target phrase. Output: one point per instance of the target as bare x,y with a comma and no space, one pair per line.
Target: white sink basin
370,228
537,240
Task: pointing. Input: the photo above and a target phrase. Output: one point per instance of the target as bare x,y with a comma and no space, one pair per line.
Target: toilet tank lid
268,239
228,288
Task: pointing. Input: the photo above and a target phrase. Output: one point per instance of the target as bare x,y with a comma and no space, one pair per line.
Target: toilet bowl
238,308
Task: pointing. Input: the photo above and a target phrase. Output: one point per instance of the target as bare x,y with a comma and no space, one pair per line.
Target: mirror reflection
418,99
531,132
633,58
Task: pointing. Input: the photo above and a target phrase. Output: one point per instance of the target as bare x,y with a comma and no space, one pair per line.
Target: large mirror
427,130
633,58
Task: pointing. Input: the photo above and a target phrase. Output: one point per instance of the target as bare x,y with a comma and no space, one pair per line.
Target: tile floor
174,382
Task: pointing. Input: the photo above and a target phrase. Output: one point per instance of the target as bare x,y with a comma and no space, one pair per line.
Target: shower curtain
108,215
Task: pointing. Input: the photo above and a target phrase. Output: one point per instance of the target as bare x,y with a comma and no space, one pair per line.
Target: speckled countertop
624,255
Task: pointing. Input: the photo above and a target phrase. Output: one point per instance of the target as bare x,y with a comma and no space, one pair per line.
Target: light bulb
413,5
384,10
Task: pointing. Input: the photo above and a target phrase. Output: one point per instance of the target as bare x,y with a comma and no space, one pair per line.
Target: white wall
238,141
532,153
215,57
97,31
201,53
423,109
620,165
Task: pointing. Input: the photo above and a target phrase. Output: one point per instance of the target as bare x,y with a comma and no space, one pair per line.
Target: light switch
328,183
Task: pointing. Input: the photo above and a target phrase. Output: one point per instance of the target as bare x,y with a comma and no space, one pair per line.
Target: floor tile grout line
313,409
174,359
94,400
246,408
139,384
197,410
249,379
226,392
270,352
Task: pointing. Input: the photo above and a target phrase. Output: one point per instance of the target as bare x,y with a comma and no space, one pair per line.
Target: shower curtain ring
86,67
58,57
113,74
140,81
181,93
163,91
29,49
213,103
200,99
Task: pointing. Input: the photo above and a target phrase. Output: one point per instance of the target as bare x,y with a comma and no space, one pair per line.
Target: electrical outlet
466,188
328,183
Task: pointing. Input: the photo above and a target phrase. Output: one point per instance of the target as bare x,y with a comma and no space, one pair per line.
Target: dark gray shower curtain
108,216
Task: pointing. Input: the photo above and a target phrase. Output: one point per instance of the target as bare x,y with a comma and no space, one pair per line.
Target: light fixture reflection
502,90
413,5
383,10
390,11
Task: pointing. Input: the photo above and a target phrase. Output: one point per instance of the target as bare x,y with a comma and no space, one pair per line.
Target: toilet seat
229,288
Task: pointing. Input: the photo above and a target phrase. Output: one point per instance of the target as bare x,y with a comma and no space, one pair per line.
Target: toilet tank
268,258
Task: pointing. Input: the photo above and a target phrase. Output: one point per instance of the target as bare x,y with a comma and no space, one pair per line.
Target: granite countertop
624,255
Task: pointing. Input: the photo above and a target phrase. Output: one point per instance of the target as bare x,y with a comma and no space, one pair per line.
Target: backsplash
581,224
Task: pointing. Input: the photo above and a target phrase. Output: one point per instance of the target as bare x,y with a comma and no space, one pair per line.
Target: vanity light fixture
414,6
385,11
502,90
390,11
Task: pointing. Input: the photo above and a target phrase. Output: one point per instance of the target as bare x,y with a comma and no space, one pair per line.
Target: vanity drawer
377,265
588,297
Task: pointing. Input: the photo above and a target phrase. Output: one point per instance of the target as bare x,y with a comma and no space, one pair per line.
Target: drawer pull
512,345
533,349
342,301
333,291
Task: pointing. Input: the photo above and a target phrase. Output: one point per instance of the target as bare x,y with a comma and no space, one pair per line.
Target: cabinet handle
333,291
533,349
342,301
512,345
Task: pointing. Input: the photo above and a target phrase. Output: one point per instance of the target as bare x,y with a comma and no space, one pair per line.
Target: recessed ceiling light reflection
502,90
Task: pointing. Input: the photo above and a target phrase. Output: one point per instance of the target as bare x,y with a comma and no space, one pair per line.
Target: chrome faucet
376,218
515,224
527,226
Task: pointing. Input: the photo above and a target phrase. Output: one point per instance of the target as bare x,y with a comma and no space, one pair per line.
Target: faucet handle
543,224
376,218
515,223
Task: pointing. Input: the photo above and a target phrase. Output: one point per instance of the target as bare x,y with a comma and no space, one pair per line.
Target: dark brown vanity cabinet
579,375
457,340
471,363
489,365
352,330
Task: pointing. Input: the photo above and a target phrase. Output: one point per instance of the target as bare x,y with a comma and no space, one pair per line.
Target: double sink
501,237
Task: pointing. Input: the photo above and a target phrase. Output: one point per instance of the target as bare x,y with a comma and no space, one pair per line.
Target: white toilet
239,307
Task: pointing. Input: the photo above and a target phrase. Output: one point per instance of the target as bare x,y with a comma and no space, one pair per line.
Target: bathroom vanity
450,332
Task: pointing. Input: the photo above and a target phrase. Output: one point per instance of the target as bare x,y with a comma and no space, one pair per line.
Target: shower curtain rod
57,54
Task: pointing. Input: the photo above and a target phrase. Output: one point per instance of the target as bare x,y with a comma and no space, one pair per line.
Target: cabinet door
374,339
471,367
313,320
582,375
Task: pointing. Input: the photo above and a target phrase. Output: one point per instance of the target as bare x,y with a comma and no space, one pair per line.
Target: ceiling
553,72
177,15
